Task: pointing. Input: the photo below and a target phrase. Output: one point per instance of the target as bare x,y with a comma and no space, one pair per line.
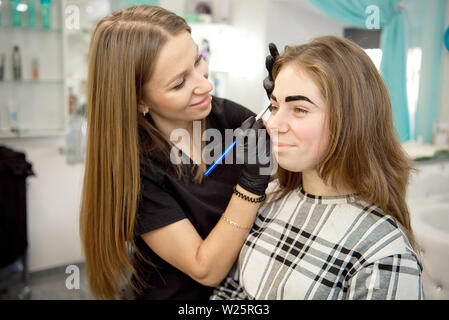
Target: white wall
292,22
244,85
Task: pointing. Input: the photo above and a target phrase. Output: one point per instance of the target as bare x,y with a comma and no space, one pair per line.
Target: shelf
28,29
41,105
7,134
41,82
32,133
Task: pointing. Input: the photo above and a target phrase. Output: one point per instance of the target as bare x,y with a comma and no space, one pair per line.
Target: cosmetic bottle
46,13
31,14
13,111
35,69
16,64
76,138
16,17
73,101
225,10
2,65
5,13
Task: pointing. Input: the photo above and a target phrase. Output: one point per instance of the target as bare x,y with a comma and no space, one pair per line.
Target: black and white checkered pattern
308,247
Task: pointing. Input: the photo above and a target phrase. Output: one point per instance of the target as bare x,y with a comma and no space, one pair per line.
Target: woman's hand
253,149
268,82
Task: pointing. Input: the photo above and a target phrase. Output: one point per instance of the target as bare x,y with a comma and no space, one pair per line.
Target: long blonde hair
364,153
122,55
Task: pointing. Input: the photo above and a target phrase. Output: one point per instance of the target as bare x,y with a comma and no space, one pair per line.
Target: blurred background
43,69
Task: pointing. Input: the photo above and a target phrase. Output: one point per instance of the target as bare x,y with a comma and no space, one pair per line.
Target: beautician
177,232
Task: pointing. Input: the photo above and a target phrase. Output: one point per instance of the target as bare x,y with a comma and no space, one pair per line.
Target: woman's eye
272,108
197,62
301,110
179,86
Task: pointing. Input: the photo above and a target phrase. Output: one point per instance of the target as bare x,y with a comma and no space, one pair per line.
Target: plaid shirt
313,247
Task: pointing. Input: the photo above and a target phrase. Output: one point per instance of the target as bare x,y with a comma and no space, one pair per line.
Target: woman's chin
291,166
200,114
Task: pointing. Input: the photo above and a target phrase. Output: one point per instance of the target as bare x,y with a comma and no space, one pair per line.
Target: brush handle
220,158
260,115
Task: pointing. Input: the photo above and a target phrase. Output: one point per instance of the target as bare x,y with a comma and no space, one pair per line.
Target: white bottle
13,111
76,138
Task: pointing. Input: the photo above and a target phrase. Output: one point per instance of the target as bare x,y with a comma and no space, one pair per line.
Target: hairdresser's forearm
220,249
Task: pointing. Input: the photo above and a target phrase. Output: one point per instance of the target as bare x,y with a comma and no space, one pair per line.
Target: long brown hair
122,55
364,153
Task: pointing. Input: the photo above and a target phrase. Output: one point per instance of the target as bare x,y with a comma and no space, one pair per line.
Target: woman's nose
203,84
278,121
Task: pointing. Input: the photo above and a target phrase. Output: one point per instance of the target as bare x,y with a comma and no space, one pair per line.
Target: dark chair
14,170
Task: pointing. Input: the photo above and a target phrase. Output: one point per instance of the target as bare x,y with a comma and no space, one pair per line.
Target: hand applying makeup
252,123
253,179
228,149
268,82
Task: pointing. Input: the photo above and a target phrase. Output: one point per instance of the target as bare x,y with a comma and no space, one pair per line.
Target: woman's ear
143,108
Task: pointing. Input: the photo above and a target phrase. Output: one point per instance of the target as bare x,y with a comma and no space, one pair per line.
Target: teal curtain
393,45
425,21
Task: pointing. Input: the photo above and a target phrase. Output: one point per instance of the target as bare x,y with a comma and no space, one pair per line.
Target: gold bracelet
234,224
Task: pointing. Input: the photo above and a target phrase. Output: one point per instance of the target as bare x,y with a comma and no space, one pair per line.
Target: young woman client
335,224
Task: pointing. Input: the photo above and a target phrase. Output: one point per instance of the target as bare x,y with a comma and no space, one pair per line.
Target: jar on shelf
441,134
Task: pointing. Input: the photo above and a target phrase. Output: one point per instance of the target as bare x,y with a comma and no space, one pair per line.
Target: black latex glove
253,148
268,82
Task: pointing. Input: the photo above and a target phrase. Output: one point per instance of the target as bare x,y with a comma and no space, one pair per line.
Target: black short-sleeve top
165,199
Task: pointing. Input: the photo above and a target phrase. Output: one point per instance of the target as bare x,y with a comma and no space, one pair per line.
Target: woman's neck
312,183
166,127
189,145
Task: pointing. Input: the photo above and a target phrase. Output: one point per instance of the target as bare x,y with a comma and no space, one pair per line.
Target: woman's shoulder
154,167
273,199
381,235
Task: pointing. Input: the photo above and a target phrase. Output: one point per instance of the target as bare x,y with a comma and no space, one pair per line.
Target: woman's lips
279,147
204,103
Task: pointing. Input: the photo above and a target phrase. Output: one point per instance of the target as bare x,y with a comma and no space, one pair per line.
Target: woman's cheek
323,144
179,100
313,137
304,132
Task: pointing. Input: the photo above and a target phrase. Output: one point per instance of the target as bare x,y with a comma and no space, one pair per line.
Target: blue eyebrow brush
260,115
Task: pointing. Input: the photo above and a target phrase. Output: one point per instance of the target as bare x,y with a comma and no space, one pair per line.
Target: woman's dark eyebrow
294,98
